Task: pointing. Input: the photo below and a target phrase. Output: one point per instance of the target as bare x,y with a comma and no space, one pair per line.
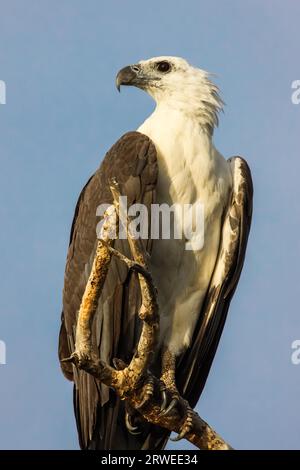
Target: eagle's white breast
190,170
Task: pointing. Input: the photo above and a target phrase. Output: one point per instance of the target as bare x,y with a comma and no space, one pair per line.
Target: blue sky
59,60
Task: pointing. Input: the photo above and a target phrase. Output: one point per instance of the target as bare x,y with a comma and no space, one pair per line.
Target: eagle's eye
163,66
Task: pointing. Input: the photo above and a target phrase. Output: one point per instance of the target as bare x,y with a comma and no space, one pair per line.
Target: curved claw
186,428
134,430
162,389
149,390
177,438
119,364
147,397
164,400
172,405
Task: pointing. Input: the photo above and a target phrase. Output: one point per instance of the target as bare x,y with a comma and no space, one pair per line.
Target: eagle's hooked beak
130,76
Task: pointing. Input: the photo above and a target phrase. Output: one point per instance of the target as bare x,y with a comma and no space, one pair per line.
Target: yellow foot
187,425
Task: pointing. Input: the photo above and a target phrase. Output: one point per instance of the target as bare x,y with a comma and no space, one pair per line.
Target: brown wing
196,361
99,413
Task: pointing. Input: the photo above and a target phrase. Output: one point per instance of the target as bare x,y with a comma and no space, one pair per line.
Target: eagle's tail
110,431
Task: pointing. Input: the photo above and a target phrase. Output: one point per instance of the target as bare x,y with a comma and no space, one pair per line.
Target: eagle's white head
173,82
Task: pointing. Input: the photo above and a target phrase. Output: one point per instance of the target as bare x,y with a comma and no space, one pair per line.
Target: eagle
170,159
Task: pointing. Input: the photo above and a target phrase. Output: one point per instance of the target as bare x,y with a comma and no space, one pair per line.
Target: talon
148,393
177,438
162,389
164,400
172,405
134,430
187,425
119,364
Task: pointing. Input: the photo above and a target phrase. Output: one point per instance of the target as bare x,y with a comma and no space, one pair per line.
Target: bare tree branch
133,382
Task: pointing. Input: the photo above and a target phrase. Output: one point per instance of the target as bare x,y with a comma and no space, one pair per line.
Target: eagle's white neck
197,99
185,152
172,128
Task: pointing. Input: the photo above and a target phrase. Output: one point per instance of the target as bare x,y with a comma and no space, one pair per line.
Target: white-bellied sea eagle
170,159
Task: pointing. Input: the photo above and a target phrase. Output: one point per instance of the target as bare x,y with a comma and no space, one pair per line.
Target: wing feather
196,361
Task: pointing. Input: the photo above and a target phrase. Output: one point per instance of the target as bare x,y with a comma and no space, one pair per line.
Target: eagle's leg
168,380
